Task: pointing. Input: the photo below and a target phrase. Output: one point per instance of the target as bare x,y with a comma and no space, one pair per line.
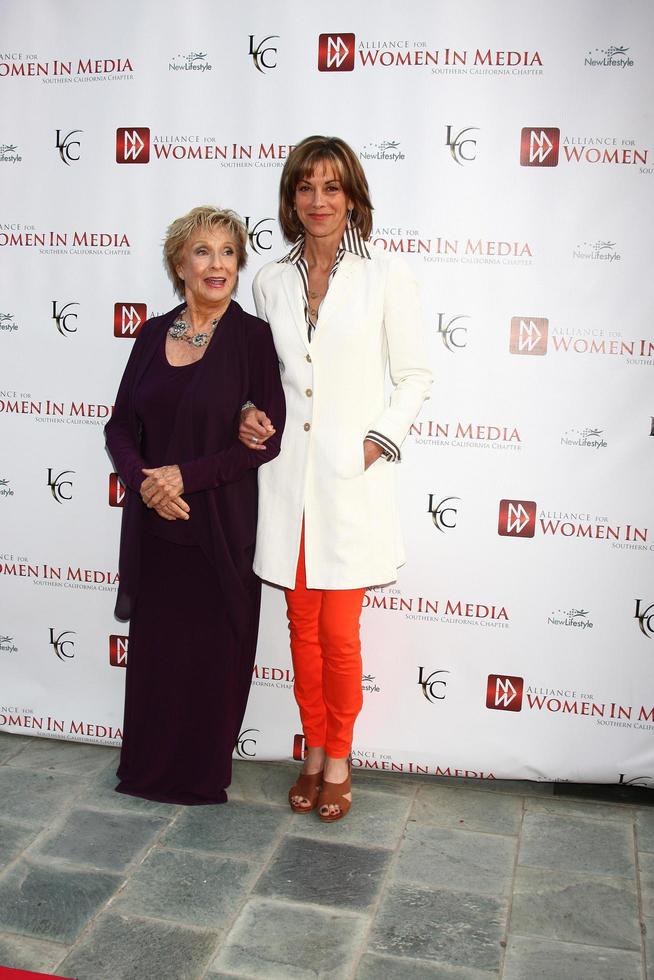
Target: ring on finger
254,439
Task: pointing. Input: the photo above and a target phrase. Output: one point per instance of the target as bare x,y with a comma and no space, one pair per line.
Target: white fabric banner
510,153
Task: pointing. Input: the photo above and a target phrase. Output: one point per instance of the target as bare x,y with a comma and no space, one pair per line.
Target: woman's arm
118,431
407,360
265,390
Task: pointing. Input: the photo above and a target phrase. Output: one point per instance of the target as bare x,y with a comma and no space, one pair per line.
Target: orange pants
326,650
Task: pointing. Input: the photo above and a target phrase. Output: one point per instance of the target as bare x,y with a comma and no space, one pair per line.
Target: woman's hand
255,428
371,452
162,490
173,510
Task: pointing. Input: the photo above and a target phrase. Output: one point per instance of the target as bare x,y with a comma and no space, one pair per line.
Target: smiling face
209,268
321,203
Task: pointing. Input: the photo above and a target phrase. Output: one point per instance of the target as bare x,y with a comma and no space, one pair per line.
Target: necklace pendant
179,331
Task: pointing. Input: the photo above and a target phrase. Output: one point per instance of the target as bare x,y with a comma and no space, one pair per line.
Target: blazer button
307,426
308,392
309,358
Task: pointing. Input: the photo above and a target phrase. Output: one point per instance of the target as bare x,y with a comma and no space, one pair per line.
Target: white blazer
370,320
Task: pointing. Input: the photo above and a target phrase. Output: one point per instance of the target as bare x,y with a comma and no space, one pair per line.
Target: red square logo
116,491
129,318
133,144
517,518
539,146
336,52
504,693
299,748
529,335
118,650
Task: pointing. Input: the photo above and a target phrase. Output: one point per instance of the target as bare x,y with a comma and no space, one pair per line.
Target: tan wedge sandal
308,787
333,794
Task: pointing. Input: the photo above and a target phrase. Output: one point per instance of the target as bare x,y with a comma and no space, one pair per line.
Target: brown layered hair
302,163
209,219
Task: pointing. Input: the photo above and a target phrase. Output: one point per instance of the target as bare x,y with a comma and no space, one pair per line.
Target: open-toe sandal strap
307,784
333,794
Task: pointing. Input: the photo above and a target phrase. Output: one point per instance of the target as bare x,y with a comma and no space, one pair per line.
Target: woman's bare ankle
314,760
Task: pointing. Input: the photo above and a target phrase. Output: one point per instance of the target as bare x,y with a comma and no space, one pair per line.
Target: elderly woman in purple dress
190,515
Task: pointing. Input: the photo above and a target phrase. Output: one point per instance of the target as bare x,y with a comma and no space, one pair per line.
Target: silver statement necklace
179,331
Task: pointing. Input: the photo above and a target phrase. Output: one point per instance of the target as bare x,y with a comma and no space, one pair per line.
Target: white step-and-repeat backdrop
510,151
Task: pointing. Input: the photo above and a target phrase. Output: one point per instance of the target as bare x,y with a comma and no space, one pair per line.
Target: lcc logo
118,648
336,52
259,236
116,491
462,147
645,781
517,518
129,318
454,334
64,318
133,144
433,685
529,335
443,514
60,488
264,55
645,618
246,745
63,647
68,147
504,692
539,146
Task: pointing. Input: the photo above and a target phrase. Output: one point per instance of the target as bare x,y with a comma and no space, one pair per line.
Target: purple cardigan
219,472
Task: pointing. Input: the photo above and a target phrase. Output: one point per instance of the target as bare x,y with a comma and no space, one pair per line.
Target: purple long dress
188,586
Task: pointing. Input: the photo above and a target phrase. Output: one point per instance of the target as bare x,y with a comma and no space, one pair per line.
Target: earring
349,217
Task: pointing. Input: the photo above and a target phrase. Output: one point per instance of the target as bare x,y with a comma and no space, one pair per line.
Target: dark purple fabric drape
219,473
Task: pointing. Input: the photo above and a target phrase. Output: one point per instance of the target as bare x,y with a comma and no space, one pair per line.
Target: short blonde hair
206,217
302,162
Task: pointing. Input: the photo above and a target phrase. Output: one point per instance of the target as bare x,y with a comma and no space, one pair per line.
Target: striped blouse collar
350,242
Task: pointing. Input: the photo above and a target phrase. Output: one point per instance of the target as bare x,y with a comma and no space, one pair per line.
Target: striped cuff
391,452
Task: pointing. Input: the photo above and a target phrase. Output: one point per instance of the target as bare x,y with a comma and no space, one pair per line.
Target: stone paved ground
426,878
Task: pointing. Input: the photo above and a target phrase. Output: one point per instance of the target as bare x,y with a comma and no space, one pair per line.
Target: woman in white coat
343,313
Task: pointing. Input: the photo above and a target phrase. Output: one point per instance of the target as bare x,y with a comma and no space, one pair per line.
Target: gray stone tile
538,959
35,797
649,947
438,857
577,844
75,758
646,868
374,967
375,820
262,782
447,806
563,807
22,953
100,791
577,908
10,745
14,838
452,928
110,841
280,941
304,870
52,903
645,830
238,828
122,947
193,889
